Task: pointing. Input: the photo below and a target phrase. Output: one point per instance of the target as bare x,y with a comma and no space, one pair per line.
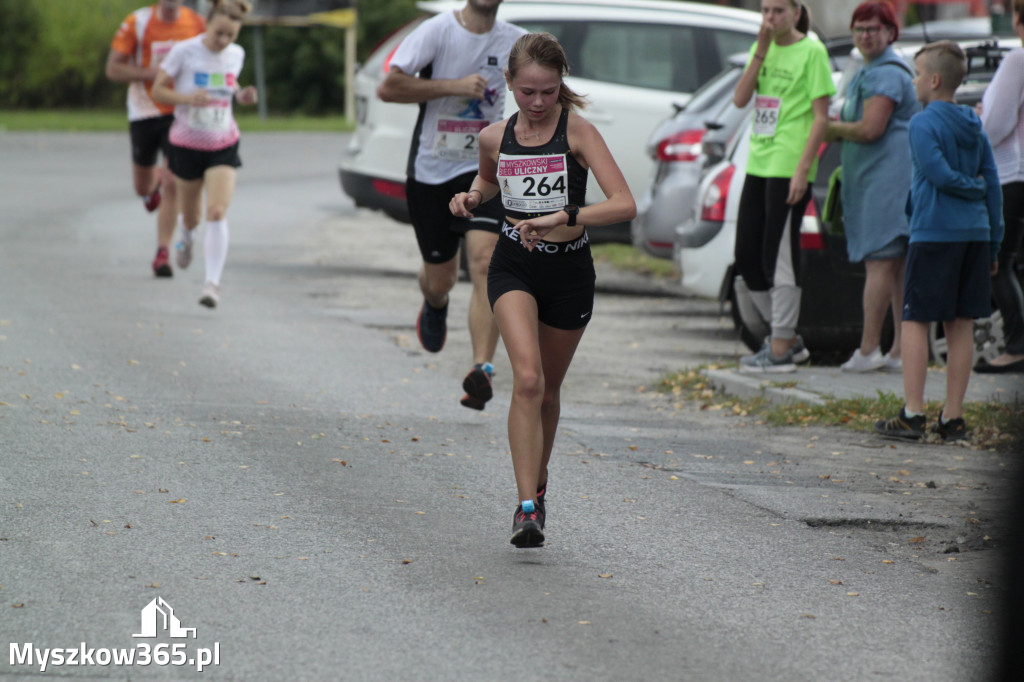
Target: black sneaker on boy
953,429
901,426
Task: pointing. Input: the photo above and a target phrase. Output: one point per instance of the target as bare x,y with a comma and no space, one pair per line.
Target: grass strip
629,258
992,425
106,120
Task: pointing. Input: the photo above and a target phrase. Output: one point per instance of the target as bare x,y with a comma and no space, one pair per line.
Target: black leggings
1005,286
759,228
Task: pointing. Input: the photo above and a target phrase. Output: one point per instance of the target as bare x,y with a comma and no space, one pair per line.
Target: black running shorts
149,137
192,164
559,275
437,230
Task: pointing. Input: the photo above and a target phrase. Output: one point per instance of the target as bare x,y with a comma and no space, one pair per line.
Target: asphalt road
294,476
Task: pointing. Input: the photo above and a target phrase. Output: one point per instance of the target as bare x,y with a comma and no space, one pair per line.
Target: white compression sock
215,248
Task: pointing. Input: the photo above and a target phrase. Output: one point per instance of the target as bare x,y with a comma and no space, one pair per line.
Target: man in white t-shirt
460,58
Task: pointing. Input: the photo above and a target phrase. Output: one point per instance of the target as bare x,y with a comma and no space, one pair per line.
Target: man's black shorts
149,136
192,164
437,230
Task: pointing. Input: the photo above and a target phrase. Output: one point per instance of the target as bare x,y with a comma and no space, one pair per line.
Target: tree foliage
379,18
54,51
54,54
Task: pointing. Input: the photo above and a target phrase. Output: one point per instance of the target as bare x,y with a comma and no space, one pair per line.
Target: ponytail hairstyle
1018,9
803,21
544,50
233,9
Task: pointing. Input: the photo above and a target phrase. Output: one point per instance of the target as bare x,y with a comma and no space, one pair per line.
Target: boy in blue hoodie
956,226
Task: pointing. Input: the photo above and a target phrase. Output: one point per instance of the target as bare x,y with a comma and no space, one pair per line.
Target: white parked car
632,59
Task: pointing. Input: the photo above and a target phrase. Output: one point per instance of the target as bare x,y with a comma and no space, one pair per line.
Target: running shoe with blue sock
527,526
541,492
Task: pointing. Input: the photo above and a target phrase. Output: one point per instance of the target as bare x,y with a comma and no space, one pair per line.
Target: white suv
632,59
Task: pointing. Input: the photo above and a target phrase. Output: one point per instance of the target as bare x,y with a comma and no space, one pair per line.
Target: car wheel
988,340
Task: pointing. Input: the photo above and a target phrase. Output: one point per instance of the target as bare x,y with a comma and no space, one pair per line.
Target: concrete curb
742,386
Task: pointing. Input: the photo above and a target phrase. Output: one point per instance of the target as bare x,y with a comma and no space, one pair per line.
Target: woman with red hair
874,127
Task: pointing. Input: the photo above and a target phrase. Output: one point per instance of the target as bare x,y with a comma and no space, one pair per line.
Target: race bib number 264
533,183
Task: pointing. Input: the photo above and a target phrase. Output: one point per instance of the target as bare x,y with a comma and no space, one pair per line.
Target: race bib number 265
766,115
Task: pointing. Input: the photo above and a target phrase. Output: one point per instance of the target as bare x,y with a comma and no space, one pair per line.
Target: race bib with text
533,184
766,115
458,139
215,117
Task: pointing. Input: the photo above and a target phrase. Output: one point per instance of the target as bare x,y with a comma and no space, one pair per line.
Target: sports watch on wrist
571,210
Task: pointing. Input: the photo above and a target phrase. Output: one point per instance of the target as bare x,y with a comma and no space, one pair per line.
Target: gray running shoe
211,295
763,362
800,352
184,254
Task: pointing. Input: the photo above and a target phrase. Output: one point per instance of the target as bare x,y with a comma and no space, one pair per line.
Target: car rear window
643,55
730,42
652,56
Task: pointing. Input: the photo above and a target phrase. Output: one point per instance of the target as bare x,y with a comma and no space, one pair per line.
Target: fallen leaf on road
605,575
914,541
853,594
835,582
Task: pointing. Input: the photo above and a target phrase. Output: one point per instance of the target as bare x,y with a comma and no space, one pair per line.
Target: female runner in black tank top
541,274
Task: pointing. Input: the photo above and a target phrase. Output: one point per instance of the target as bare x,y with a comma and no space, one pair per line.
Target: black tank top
535,181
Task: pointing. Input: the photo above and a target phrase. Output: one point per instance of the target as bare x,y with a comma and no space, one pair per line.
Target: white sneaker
211,295
892,364
864,363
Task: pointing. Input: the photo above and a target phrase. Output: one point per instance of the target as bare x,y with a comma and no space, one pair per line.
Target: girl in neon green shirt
789,75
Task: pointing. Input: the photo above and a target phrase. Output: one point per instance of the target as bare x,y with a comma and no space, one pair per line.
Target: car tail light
387,60
713,208
811,237
389,188
682,146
